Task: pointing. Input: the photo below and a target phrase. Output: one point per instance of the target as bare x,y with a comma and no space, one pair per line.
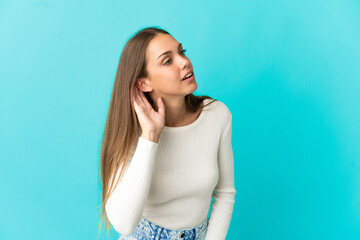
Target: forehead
159,44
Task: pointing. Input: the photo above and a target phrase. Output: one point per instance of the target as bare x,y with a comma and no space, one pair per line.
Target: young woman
165,151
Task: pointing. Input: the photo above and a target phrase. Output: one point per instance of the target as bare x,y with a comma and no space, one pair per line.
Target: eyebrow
180,45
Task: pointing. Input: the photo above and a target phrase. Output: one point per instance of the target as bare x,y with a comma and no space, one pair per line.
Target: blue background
288,71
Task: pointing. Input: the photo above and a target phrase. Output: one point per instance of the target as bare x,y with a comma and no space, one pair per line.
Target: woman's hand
151,122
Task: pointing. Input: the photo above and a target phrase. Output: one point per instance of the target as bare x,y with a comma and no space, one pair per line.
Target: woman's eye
168,61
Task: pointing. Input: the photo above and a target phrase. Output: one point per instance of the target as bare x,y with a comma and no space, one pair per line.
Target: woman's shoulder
220,114
218,106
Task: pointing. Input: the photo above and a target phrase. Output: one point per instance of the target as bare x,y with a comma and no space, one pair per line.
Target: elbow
124,231
226,195
121,223
231,196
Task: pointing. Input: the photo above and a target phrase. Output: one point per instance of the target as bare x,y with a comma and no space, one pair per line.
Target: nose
185,62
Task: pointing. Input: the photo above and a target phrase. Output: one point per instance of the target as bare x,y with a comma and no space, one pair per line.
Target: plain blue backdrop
289,71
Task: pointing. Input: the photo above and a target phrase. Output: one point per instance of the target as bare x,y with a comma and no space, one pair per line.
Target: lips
187,74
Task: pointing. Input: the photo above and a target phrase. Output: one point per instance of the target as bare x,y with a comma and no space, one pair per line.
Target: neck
175,111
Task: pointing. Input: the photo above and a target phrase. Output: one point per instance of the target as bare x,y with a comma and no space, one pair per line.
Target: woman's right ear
141,84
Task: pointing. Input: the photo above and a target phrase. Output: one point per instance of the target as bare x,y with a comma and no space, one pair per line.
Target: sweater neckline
191,125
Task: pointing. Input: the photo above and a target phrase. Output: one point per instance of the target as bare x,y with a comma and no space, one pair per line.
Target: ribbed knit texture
170,183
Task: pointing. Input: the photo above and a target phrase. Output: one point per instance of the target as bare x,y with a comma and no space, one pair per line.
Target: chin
195,87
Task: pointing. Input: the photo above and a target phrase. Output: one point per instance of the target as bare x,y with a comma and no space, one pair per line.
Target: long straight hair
122,129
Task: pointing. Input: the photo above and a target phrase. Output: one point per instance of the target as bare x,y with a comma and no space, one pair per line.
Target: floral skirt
147,230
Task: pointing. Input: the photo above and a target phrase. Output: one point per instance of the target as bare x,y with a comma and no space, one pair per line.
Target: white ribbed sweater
170,183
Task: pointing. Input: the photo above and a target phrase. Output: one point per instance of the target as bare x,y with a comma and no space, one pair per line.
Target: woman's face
167,65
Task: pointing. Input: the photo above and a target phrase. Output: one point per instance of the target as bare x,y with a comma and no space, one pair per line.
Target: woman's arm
224,192
126,204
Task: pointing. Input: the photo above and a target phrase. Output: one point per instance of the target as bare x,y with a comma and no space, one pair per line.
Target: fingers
145,103
135,97
161,106
141,99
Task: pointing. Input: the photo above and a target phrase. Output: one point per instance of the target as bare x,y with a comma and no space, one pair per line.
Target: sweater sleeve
224,192
126,204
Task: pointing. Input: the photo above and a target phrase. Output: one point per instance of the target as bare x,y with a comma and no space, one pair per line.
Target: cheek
169,83
170,74
166,78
